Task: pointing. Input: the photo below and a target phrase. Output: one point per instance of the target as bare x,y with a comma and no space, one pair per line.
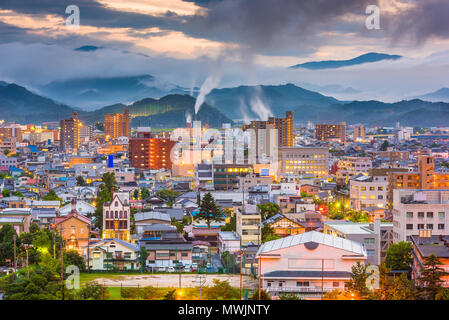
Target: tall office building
150,153
69,136
117,125
328,132
304,160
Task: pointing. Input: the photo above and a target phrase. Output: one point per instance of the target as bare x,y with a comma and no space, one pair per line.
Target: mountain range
23,106
334,64
96,92
439,95
224,105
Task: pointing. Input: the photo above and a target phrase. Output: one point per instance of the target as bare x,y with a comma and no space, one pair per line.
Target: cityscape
162,150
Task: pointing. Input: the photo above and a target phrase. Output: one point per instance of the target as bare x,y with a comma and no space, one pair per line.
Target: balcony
275,289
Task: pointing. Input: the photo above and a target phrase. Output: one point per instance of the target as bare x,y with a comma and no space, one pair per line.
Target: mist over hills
94,93
225,105
440,95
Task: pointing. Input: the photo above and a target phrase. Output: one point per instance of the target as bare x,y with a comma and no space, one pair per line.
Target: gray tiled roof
307,274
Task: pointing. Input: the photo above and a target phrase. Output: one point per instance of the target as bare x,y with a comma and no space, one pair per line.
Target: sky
236,42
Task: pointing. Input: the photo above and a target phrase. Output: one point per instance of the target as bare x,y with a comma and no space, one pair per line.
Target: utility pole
15,259
62,262
201,280
260,278
322,278
241,267
88,250
27,246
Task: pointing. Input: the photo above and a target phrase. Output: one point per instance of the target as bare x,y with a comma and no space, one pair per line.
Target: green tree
136,194
108,185
221,290
208,210
268,233
145,193
384,146
130,293
6,193
264,295
229,261
150,293
232,224
18,194
430,278
72,257
169,195
289,296
400,289
268,209
399,256
51,196
143,257
171,295
7,233
6,152
80,181
357,283
93,291
179,225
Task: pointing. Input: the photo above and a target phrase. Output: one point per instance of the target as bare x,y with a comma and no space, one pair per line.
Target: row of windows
372,197
441,215
429,226
116,214
121,224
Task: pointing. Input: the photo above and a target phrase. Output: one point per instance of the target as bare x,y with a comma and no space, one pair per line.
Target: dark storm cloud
268,23
94,14
427,19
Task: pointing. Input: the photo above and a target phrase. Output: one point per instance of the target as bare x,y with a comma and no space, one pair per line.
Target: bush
130,293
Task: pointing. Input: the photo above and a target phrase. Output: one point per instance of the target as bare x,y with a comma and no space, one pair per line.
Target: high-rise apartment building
359,133
117,125
331,132
69,136
284,127
150,153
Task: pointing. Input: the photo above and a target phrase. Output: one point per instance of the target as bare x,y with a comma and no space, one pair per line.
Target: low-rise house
176,214
425,246
144,219
112,254
82,207
283,226
20,217
167,251
44,217
308,264
228,241
18,223
75,229
376,237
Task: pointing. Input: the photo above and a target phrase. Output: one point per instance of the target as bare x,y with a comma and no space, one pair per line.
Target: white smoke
188,118
244,111
258,106
210,83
